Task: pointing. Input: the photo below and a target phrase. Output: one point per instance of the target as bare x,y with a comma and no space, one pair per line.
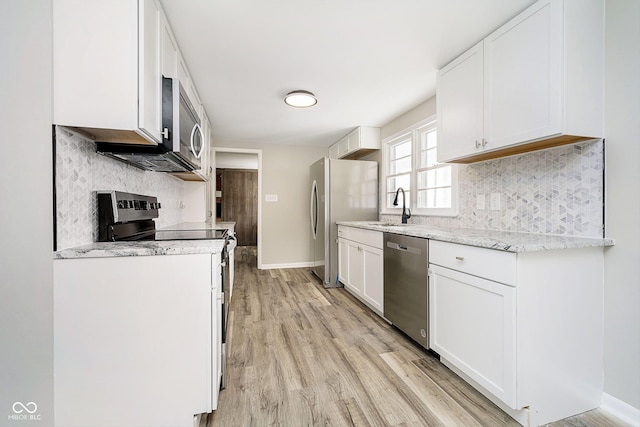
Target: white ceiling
367,61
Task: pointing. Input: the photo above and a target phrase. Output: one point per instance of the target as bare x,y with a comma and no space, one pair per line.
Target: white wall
410,118
285,224
26,228
622,266
236,160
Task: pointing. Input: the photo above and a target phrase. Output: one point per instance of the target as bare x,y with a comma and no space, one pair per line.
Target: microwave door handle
193,132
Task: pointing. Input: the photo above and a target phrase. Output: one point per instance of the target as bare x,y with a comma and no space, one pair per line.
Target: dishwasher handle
402,248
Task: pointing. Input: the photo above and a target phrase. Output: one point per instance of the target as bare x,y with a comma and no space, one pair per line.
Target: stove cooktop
162,235
204,234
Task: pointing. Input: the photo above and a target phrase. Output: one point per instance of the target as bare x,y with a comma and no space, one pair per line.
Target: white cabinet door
343,147
373,277
353,141
334,151
460,106
343,261
95,75
472,325
355,268
149,69
183,72
523,77
169,52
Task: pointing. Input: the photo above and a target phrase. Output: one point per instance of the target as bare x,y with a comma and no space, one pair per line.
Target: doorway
238,202
237,194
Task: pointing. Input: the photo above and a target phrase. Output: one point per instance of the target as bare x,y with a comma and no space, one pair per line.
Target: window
411,163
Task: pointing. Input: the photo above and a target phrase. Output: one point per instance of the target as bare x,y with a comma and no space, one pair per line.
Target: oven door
226,294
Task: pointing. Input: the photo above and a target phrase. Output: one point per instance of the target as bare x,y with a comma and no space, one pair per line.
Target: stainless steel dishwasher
405,285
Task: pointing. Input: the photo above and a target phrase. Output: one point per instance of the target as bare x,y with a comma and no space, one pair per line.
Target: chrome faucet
406,213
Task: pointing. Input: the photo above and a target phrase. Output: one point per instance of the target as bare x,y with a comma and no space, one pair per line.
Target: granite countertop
491,239
147,248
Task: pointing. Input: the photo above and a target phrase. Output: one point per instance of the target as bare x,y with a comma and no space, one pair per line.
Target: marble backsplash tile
80,172
555,191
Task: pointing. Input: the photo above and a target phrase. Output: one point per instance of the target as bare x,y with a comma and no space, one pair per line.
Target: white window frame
415,132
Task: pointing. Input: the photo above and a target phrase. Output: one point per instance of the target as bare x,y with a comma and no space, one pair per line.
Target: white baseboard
621,410
286,265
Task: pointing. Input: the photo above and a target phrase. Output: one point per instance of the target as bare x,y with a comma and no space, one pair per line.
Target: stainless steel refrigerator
341,190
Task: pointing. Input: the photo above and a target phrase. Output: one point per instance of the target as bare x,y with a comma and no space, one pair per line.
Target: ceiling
367,61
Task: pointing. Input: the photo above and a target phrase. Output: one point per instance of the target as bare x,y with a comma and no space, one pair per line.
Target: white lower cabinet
525,329
360,265
473,326
135,340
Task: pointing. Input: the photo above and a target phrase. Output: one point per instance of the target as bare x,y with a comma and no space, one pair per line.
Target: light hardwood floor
302,355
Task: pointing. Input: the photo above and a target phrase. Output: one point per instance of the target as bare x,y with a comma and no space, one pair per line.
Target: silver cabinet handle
484,142
460,258
478,144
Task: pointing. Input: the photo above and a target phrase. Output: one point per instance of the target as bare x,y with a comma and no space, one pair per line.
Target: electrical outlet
495,201
270,197
480,202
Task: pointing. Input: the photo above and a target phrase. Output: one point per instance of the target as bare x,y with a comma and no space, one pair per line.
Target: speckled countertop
500,240
147,248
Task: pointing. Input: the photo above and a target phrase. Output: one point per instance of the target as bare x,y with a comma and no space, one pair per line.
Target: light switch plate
480,202
495,201
270,197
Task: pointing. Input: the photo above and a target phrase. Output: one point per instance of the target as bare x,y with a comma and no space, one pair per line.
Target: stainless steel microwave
182,138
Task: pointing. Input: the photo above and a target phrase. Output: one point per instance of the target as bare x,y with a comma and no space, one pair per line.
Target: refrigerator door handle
313,209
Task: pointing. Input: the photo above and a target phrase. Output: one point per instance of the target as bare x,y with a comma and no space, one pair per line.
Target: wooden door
240,203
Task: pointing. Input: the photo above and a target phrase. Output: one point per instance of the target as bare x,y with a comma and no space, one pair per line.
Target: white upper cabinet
360,142
535,83
169,51
149,69
109,59
460,105
107,78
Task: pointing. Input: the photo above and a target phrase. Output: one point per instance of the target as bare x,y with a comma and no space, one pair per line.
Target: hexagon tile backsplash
80,172
555,191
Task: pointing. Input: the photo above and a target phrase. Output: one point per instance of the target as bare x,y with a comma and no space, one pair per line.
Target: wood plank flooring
302,355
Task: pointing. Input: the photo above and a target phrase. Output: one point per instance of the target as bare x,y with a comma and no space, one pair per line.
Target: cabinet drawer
487,263
360,235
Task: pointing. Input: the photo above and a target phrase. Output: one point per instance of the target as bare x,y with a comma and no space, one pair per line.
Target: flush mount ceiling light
300,99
